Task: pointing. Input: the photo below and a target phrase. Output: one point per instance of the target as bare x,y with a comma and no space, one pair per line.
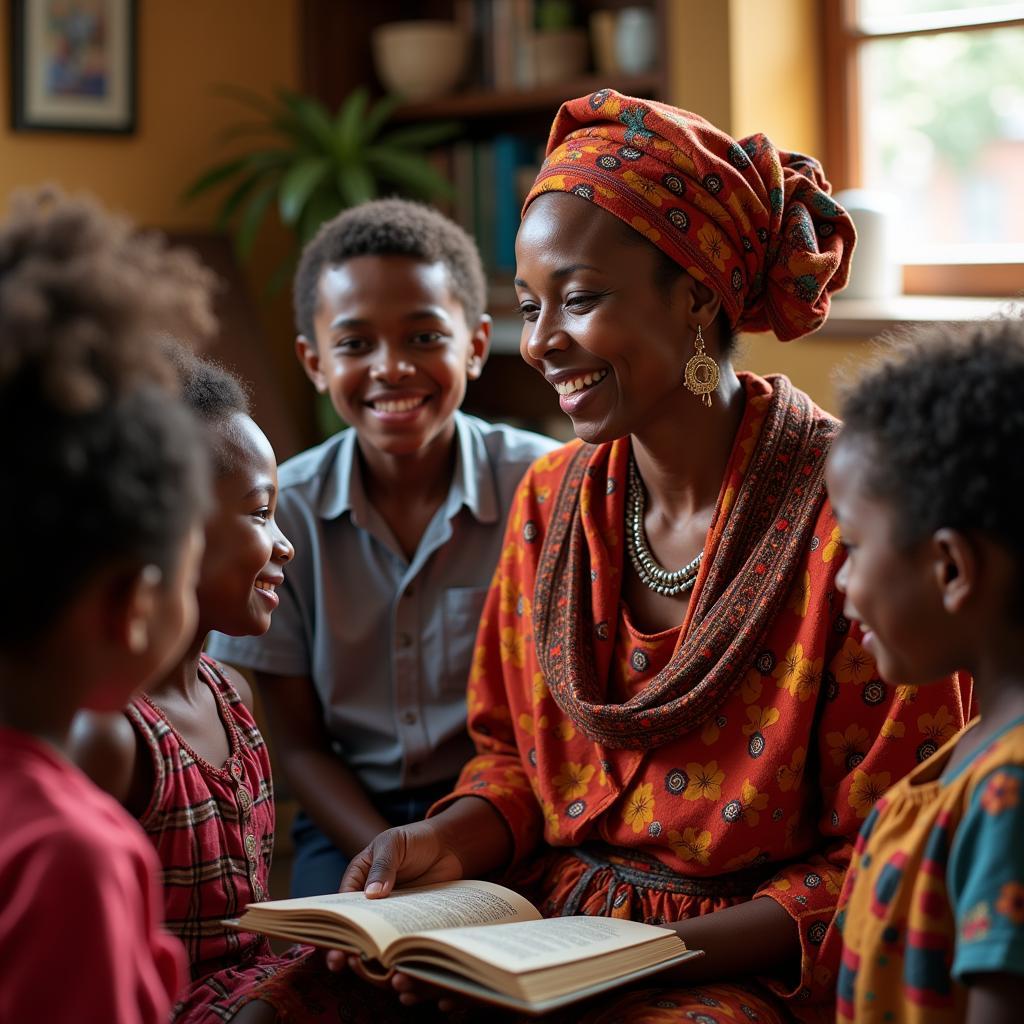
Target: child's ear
309,357
955,568
479,347
134,612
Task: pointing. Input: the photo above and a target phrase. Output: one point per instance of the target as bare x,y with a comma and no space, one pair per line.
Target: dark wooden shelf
482,103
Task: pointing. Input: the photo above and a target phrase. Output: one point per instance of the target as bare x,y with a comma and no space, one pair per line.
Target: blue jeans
318,864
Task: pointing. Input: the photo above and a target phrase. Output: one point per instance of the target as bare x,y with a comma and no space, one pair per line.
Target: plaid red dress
213,829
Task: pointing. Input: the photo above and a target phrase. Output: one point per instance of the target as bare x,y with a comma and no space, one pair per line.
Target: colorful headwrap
755,224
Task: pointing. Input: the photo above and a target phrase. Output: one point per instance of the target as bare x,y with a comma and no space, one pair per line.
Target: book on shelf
476,938
490,180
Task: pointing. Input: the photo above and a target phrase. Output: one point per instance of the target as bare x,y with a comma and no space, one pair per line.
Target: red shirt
80,909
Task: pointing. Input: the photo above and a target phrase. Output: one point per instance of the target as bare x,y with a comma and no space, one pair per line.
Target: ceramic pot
420,60
635,40
557,55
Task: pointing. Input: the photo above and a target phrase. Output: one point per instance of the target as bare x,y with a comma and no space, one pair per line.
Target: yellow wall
755,66
185,49
812,363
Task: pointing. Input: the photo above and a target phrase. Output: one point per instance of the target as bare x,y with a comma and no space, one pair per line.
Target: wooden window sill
866,318
848,318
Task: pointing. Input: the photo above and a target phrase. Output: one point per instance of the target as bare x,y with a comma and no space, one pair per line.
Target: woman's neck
683,457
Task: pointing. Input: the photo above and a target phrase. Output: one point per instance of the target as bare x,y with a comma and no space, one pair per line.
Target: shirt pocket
462,608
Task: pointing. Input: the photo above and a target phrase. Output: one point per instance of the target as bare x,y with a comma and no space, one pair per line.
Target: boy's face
393,350
245,549
890,589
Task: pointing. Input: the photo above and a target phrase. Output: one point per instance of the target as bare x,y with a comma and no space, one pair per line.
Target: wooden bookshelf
488,103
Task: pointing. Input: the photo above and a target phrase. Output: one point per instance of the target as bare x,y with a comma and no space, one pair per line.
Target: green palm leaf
379,116
323,205
408,171
317,162
421,136
349,124
311,117
252,219
298,184
356,184
214,176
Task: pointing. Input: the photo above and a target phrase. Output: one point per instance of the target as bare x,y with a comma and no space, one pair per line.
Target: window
925,101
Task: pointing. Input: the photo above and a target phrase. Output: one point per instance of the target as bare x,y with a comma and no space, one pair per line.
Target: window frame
842,38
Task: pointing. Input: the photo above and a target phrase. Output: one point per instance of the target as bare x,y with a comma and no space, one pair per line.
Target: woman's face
245,550
596,323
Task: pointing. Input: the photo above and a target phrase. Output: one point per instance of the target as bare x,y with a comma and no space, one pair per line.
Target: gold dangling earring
701,374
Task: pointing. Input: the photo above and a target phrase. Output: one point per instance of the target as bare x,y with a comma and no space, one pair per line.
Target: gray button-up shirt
388,643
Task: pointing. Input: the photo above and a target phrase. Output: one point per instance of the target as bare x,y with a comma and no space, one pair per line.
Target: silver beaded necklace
650,572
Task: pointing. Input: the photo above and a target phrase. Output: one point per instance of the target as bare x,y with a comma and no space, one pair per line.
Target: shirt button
250,846
245,801
409,717
404,640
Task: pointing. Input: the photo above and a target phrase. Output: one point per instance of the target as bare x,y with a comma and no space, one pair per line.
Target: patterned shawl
756,542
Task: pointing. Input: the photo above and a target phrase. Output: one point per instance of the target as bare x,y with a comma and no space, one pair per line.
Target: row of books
500,31
491,179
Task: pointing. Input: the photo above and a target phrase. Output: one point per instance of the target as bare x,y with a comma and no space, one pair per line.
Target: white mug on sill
635,40
875,272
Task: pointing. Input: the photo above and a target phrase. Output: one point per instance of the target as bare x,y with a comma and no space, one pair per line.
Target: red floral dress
760,769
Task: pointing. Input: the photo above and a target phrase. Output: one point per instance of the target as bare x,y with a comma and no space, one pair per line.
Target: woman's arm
754,938
323,784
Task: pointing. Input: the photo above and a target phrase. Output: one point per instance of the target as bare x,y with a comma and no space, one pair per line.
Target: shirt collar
473,483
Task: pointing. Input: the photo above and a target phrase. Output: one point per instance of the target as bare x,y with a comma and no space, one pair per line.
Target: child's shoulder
58,813
310,468
1004,751
505,442
229,681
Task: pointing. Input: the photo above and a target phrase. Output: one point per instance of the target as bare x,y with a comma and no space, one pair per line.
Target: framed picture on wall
73,65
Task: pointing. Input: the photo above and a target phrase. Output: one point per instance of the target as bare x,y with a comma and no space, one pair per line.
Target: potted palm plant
314,163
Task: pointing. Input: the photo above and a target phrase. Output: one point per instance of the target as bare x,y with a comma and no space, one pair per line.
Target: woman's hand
415,854
467,836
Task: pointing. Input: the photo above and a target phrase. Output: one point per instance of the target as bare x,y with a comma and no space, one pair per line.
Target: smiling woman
642,747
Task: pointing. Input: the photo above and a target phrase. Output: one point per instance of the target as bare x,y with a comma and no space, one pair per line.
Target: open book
477,938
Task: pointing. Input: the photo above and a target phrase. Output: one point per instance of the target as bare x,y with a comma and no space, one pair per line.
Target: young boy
397,524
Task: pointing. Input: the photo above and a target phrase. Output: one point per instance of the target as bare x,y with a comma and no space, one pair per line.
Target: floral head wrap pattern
754,223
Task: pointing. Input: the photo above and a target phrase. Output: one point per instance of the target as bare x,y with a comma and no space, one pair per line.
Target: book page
408,911
541,944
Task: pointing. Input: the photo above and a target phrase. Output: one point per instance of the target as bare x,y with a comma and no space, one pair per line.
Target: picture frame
73,65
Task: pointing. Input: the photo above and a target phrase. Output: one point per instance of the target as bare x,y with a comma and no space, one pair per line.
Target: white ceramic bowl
420,60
